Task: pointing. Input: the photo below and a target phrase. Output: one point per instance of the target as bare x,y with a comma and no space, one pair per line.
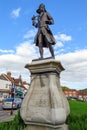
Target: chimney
9,73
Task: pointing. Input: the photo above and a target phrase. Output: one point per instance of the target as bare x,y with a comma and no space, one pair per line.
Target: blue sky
70,31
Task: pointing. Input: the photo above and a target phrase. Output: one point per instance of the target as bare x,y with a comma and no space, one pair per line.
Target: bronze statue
44,36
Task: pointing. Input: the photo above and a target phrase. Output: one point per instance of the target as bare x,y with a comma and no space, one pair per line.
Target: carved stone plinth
33,127
45,106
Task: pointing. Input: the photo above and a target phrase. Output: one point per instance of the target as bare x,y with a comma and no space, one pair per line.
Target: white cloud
74,57
75,63
16,13
30,34
15,63
63,37
6,51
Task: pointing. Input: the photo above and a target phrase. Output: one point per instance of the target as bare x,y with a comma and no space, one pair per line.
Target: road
5,115
0,106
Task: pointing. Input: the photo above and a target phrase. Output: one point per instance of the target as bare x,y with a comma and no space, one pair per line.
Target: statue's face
42,8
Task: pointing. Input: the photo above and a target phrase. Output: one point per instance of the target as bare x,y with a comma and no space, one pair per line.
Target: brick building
79,94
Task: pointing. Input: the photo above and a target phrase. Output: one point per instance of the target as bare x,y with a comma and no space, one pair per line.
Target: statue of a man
44,36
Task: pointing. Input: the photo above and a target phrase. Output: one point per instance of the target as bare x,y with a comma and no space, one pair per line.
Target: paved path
6,116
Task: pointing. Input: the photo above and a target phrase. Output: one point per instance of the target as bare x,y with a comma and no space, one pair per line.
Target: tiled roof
16,81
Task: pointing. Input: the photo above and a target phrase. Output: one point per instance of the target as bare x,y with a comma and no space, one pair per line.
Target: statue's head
41,8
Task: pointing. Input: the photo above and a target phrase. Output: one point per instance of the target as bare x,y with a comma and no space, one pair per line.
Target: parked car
10,103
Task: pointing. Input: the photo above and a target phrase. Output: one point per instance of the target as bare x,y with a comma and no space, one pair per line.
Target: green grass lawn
77,120
78,107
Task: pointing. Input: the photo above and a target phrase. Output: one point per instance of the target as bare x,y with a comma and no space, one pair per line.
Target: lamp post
12,96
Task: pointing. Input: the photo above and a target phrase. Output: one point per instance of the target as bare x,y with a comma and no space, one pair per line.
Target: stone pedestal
33,127
45,106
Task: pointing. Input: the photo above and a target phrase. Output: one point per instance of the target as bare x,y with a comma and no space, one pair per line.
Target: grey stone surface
45,103
60,127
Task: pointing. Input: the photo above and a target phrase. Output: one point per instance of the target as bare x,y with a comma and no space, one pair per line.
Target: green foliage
64,88
77,120
16,124
78,107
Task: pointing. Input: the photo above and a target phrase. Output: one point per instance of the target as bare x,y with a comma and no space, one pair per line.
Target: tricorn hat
38,10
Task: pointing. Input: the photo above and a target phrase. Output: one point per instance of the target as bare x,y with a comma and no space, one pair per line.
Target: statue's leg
51,49
41,51
49,45
40,46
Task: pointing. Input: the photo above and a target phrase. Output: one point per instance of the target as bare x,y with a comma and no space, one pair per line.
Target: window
6,86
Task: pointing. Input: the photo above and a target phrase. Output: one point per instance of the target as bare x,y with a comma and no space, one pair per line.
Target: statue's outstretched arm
34,23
